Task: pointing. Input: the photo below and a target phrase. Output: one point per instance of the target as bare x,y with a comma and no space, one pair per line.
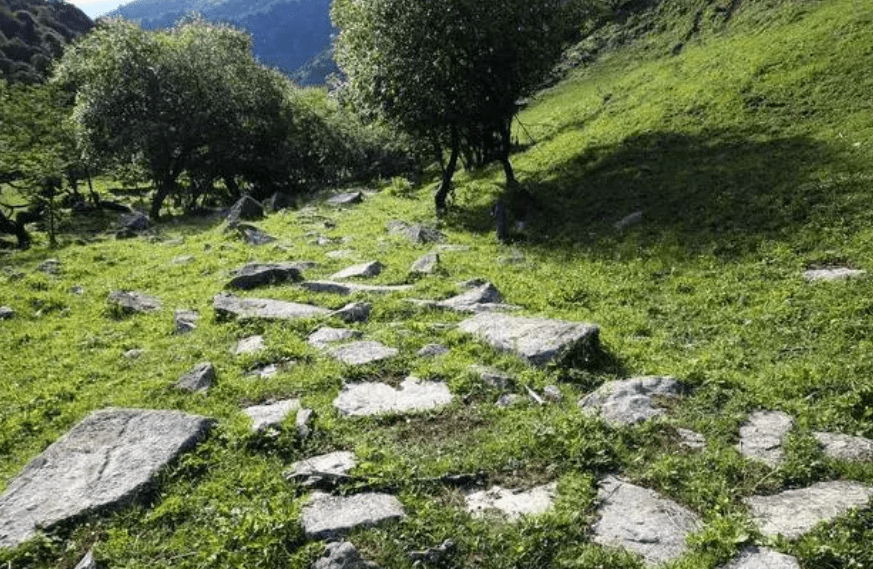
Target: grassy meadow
749,152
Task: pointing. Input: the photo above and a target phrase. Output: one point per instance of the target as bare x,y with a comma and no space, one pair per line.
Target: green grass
750,155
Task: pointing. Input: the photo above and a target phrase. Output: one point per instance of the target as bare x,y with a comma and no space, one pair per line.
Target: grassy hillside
749,152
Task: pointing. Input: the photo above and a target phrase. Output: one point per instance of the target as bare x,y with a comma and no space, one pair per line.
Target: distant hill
291,35
33,33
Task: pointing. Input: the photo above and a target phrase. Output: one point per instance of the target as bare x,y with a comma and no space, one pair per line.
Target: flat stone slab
255,275
762,558
762,436
359,399
642,521
845,447
630,401
353,312
131,302
271,414
363,352
480,298
512,504
794,512
106,460
834,274
250,345
426,265
332,466
229,306
326,335
343,288
185,321
538,340
364,270
327,516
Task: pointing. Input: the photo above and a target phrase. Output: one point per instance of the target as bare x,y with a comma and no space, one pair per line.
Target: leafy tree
450,72
37,151
191,99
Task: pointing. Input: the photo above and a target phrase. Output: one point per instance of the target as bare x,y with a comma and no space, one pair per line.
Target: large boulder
538,340
245,209
106,460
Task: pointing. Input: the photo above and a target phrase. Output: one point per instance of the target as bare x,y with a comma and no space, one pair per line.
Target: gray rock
482,298
552,393
630,401
133,354
185,321
326,467
433,555
762,558
845,447
364,270
347,198
253,235
250,345
106,460
642,521
354,312
255,275
794,512
834,274
512,504
327,516
426,265
363,352
77,290
342,555
229,306
762,436
359,399
334,287
325,336
199,379
691,440
135,221
493,377
271,414
417,234
270,370
509,400
303,423
87,562
50,267
245,209
131,302
6,313
432,350
538,340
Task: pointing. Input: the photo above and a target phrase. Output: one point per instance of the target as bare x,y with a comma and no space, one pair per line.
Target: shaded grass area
750,156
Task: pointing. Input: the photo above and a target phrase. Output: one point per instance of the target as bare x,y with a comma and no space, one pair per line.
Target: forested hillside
286,34
33,33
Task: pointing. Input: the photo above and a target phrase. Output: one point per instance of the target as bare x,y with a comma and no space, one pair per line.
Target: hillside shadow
723,191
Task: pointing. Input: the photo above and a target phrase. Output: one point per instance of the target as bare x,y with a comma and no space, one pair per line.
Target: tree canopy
449,71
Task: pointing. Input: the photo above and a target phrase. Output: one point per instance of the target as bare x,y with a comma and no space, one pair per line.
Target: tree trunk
17,229
448,172
505,147
161,192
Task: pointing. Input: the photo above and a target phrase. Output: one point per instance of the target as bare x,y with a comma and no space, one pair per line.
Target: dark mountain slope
286,34
33,33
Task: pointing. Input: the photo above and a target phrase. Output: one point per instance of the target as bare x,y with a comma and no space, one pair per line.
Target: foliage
37,150
448,72
34,33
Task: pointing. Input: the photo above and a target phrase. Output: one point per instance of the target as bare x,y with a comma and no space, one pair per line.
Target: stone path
105,460
327,516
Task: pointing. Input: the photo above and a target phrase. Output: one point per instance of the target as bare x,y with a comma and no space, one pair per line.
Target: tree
37,151
191,99
450,72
